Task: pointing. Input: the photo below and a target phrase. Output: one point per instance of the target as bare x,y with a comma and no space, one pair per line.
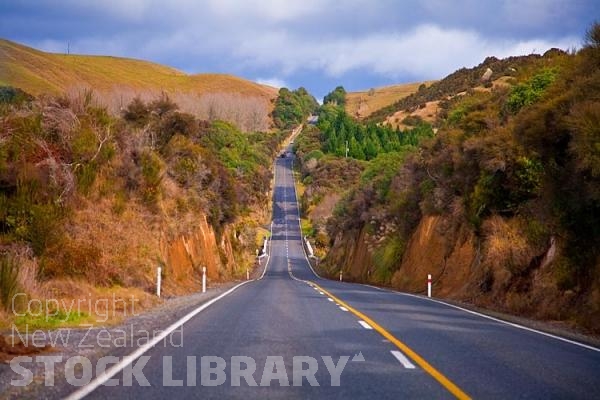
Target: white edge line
377,288
364,324
271,236
300,225
514,325
481,315
403,359
109,373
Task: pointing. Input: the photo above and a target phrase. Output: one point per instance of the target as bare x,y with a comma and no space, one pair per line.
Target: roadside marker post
428,285
158,276
203,279
341,275
247,274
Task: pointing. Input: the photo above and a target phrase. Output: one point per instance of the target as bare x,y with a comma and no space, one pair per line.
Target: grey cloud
281,39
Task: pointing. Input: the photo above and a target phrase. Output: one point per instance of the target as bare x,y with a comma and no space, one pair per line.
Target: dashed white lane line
343,308
330,299
403,359
321,293
365,325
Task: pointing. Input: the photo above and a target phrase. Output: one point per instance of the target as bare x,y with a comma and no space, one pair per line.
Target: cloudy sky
313,43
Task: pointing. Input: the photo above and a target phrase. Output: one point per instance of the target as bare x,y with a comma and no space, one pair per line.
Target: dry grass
128,243
362,104
506,245
38,72
428,114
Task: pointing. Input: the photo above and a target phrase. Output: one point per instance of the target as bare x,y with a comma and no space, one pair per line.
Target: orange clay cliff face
500,271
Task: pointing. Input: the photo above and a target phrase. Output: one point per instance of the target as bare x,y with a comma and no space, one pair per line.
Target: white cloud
274,82
427,51
283,40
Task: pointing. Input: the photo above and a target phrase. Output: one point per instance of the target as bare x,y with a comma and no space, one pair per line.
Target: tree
293,107
337,97
592,36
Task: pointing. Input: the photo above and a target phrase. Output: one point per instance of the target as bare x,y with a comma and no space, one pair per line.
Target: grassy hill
38,72
364,103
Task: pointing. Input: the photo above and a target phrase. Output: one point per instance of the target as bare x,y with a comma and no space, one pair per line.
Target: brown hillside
38,72
116,81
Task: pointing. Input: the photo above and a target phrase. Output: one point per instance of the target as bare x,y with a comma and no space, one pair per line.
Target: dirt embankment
186,255
497,269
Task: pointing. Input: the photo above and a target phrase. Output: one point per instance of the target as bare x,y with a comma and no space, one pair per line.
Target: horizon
314,44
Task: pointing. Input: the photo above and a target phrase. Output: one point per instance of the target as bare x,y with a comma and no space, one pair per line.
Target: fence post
428,285
158,277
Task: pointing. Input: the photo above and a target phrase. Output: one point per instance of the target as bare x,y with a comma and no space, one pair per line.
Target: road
395,345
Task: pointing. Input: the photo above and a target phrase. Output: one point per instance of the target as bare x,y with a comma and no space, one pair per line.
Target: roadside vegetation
341,153
94,198
340,132
505,194
292,107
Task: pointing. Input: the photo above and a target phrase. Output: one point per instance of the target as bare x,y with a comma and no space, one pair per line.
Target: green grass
307,227
51,320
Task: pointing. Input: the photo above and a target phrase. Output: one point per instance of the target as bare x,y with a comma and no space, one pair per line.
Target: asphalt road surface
290,329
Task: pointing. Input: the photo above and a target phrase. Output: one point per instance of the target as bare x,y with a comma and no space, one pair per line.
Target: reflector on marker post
428,285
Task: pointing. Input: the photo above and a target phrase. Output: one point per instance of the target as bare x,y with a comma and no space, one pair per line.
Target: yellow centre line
437,375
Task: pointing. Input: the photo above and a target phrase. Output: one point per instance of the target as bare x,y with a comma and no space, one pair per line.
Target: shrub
315,154
11,95
175,123
565,274
74,259
412,120
151,166
31,217
137,112
84,145
86,176
44,226
382,169
529,92
9,274
387,257
162,105
184,170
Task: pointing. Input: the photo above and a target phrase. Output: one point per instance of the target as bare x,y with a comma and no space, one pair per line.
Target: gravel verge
91,342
